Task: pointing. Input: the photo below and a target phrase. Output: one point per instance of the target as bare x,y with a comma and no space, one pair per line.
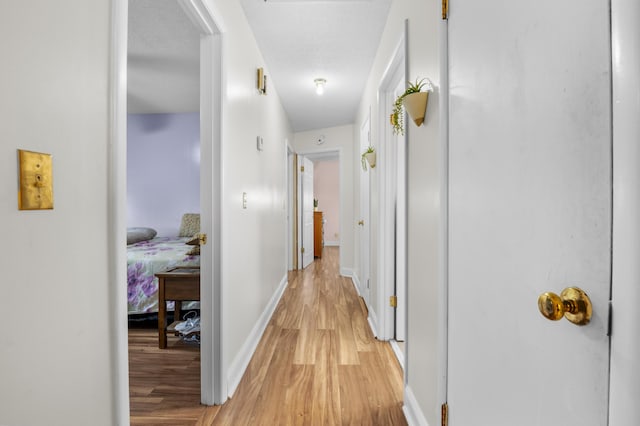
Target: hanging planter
414,101
369,156
416,106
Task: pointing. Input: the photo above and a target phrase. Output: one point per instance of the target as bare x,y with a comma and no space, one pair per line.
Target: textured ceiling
306,39
300,40
163,58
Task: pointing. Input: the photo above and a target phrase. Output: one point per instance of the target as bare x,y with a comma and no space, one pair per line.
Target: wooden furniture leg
162,314
177,310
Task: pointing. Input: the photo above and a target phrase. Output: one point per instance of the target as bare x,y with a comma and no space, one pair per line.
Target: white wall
338,138
253,243
326,189
163,170
55,354
424,215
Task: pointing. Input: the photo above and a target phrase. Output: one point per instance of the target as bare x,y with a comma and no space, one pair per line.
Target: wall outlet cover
36,181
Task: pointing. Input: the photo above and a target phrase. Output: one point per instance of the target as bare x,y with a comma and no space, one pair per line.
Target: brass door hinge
393,301
202,238
302,250
444,419
445,9
302,169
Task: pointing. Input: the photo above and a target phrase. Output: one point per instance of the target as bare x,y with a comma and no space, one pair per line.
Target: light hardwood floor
316,364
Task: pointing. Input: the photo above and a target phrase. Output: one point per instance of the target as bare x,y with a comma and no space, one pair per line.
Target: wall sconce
261,82
320,82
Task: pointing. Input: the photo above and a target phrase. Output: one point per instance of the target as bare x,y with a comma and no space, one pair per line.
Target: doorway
210,89
163,185
330,158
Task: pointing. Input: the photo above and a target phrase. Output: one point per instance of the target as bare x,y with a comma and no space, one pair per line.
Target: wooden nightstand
178,284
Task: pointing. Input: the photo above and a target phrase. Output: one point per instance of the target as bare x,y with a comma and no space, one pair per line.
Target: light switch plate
36,181
244,200
260,143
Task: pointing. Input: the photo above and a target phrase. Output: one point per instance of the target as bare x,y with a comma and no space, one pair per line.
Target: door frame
310,155
383,316
624,374
292,260
364,276
212,31
401,227
443,234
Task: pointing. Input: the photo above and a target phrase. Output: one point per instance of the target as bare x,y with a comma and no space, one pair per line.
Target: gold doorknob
573,304
361,222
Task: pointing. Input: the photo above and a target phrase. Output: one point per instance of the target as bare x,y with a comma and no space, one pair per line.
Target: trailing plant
397,116
369,150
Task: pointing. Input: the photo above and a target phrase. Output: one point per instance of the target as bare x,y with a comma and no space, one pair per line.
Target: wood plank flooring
316,364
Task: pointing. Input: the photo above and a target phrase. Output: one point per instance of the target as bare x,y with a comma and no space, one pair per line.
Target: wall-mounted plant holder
368,157
261,82
36,181
414,102
416,106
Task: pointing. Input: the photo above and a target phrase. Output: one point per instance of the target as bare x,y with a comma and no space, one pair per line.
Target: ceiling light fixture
320,82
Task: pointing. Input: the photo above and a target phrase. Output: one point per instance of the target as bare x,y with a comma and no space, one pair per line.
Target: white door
530,210
364,222
305,177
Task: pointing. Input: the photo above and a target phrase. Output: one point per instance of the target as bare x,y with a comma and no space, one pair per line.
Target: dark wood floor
316,364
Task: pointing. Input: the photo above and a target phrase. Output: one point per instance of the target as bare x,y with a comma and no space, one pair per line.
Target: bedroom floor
317,363
164,384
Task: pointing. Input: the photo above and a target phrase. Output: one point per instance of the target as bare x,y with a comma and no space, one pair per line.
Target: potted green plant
368,156
414,100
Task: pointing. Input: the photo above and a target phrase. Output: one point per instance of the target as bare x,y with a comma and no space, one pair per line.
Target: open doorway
318,206
210,105
326,192
163,198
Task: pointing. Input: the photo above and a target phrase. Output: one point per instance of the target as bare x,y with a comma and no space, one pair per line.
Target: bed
148,255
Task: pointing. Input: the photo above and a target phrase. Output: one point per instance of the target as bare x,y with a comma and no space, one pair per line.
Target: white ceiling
163,58
305,39
300,40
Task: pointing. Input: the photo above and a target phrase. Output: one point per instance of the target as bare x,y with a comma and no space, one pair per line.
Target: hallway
317,364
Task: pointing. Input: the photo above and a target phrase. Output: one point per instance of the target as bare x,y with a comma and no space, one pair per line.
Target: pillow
190,225
135,235
194,251
194,241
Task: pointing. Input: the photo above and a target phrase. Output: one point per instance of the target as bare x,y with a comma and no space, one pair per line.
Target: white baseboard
332,243
412,410
373,322
346,272
241,361
398,352
356,283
